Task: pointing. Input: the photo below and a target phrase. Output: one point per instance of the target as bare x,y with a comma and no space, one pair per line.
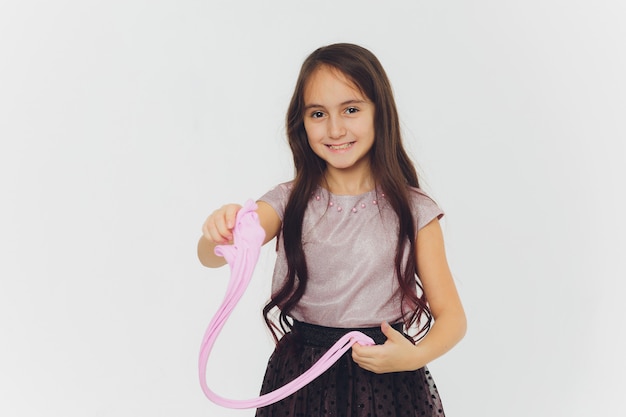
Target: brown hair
391,167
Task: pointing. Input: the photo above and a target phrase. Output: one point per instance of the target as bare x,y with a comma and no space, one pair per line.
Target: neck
348,183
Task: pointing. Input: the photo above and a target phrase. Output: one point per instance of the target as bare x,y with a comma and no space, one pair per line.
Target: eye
352,110
317,114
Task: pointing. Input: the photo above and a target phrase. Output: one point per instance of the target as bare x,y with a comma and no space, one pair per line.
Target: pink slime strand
242,256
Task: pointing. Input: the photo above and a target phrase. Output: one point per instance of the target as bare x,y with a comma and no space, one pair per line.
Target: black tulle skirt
344,390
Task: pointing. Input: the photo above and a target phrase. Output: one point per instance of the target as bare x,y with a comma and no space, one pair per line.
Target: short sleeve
425,208
277,198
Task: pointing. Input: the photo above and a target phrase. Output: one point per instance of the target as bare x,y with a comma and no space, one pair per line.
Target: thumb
389,332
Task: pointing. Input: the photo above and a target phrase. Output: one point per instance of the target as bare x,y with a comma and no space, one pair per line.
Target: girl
359,247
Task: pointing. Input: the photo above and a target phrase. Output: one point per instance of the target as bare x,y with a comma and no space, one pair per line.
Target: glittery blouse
349,242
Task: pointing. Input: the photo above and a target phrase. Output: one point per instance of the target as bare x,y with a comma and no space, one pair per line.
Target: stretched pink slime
242,256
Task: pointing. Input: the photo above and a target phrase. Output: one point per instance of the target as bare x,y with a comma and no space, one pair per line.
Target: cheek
369,131
313,132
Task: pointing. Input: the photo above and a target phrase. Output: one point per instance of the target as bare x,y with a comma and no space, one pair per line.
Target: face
339,121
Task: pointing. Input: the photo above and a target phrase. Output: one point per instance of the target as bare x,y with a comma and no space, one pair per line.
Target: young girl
359,247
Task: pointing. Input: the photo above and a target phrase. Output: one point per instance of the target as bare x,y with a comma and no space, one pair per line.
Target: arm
218,227
398,353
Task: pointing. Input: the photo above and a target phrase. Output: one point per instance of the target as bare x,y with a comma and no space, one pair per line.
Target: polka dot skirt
344,390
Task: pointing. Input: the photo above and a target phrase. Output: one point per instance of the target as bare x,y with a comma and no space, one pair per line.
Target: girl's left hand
395,355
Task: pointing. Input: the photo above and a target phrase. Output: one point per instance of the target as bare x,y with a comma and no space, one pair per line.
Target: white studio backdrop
123,124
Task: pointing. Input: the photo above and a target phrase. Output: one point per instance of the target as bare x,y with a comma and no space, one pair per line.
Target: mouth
340,147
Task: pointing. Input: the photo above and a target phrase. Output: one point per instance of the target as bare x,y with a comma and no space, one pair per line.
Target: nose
336,128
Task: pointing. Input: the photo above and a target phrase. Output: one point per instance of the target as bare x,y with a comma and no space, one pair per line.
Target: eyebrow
345,103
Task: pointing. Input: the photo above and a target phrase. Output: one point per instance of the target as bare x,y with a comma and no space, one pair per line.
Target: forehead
327,84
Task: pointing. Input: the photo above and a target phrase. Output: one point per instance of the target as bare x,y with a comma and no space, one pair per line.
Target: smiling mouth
340,147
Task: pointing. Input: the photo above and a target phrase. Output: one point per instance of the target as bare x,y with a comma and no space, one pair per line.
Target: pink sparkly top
349,242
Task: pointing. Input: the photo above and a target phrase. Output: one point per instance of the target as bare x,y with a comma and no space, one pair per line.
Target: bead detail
359,205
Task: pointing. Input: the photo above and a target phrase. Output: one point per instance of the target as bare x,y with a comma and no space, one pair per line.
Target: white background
123,124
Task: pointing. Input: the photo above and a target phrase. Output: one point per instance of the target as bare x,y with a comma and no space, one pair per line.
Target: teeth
344,146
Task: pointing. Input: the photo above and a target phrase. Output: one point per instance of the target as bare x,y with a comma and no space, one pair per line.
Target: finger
223,232
215,229
231,215
364,363
357,356
206,232
221,224
357,353
389,332
365,353
211,233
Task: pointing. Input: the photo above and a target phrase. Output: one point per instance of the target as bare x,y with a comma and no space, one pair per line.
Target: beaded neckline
347,202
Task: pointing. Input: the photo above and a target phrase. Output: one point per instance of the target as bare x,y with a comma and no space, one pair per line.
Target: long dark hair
391,167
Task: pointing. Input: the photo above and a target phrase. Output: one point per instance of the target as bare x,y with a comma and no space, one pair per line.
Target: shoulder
278,196
280,191
425,209
419,197
418,193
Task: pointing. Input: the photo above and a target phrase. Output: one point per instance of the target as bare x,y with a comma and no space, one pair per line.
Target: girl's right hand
218,227
218,230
